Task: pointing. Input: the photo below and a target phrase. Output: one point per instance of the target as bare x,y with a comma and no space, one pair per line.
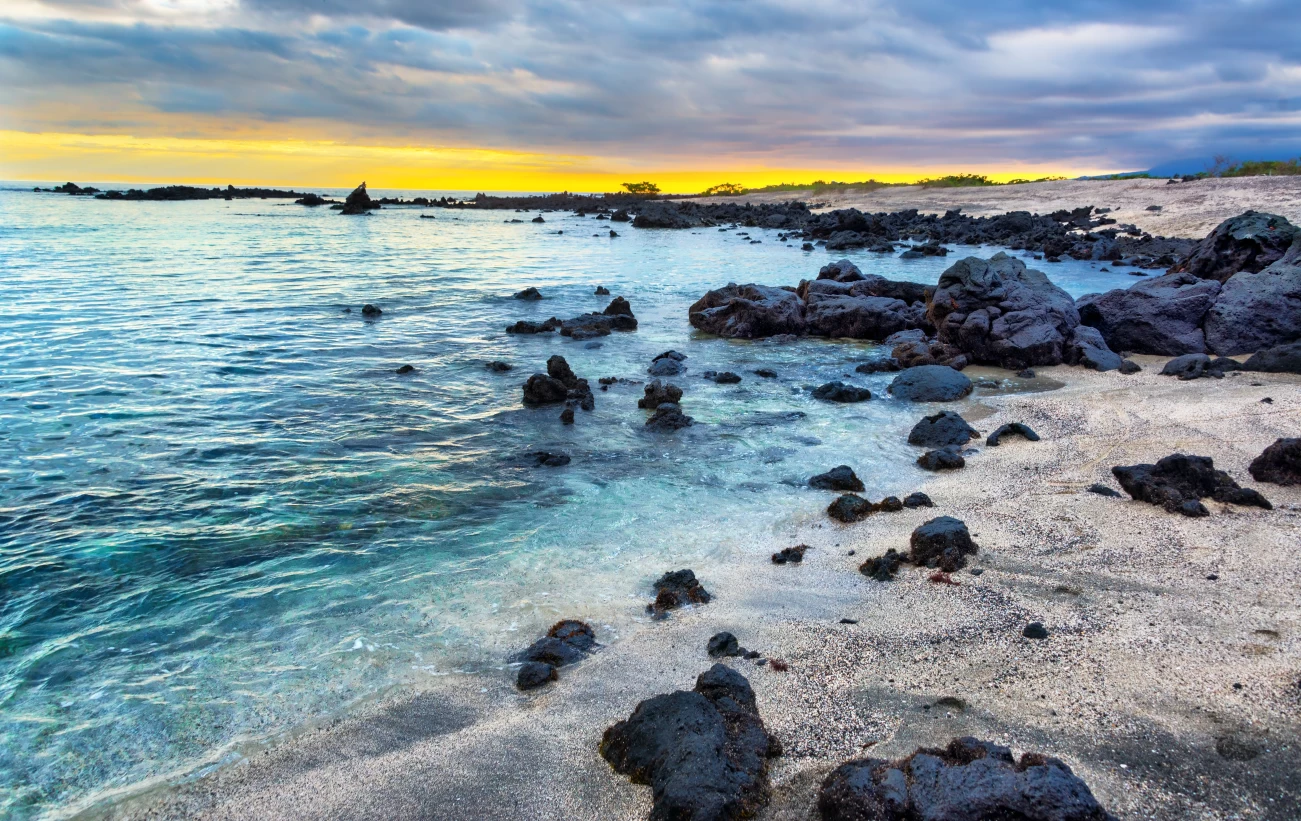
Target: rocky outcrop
675,589
1199,365
1161,316
748,312
969,780
940,430
930,383
841,477
529,294
1178,483
1256,311
1279,359
1251,242
999,312
667,418
525,326
359,202
943,543
1278,464
616,317
558,384
704,752
567,642
658,393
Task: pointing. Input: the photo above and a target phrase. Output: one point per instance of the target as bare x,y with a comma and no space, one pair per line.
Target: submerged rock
541,389
940,430
841,477
667,418
704,753
530,294
525,326
970,780
1177,483
676,589
724,378
943,543
841,392
497,366
371,311
1011,429
930,383
1278,464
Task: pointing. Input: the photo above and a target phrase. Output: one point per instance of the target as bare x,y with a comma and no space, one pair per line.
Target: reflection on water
222,512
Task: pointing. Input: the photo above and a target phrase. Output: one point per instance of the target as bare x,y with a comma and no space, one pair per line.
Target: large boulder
1178,482
1086,347
704,752
1161,316
970,780
748,312
1279,464
860,317
359,202
940,430
1260,310
930,383
1279,359
1000,312
1248,242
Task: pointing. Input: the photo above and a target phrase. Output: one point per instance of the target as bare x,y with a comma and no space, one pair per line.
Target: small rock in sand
1035,630
790,554
943,543
1011,429
675,589
1278,464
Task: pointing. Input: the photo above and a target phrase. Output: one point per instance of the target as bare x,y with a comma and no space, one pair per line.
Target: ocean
223,513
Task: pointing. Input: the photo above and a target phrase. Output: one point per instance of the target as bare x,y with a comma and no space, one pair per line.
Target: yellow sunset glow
127,159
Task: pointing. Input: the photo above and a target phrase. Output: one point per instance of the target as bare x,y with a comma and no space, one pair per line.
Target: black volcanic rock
530,293
676,589
1161,316
943,542
841,477
840,392
1177,482
668,418
945,458
658,393
704,752
850,508
1198,365
941,429
930,383
1011,429
1257,310
1251,241
748,312
1279,359
1278,464
359,202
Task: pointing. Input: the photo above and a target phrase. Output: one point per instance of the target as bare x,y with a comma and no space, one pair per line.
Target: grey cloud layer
795,83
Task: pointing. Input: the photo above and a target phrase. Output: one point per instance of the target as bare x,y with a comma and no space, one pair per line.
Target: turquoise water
222,514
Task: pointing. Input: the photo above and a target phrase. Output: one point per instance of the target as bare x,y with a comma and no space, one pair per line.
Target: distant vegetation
642,187
821,186
1263,168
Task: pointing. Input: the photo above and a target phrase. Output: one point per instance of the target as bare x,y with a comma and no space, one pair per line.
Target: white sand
1133,688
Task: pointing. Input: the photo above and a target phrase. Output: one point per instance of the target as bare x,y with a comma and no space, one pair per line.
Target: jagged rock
723,644
850,508
659,393
675,589
1278,464
1256,311
940,430
1011,429
667,418
765,373
883,568
999,312
840,392
1279,359
525,326
1161,316
970,780
841,477
530,294
359,202
945,458
1248,242
1197,365
621,308
567,642
930,383
943,542
748,312
917,499
790,554
1177,480
541,389
703,752
1085,347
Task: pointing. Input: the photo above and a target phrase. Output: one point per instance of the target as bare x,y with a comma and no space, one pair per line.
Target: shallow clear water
222,513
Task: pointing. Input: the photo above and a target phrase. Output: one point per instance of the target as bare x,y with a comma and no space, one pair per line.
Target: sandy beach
1174,695
1187,209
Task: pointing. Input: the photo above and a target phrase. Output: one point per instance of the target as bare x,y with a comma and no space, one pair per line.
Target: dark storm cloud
885,82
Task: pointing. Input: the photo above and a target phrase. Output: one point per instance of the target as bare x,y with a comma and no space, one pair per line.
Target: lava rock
1248,242
1103,490
886,365
1257,311
1279,359
567,415
850,508
601,290
943,543
406,369
930,383
530,294
723,644
675,589
945,458
548,459
790,554
534,674
541,389
667,418
1011,429
841,477
499,367
1035,630
970,780
372,311
1178,481
666,366
525,326
658,393
724,378
703,752
748,312
917,499
883,568
359,202
1278,464
1161,316
940,430
1085,347
1198,365
840,392
765,373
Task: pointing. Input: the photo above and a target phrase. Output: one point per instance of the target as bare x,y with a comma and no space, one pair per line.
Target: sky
552,94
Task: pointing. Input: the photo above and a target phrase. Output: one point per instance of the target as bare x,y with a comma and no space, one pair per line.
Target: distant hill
1197,165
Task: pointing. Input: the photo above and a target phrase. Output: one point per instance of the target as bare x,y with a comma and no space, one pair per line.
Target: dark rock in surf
1278,464
541,389
748,312
601,290
945,458
704,752
943,543
765,373
534,674
1177,483
886,365
841,392
567,642
676,589
525,326
359,202
930,383
658,393
841,477
497,366
371,311
668,418
723,378
406,369
850,508
530,294
941,429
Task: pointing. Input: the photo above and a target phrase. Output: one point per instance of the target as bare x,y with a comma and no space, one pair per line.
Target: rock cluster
559,384
675,589
1179,482
359,202
567,642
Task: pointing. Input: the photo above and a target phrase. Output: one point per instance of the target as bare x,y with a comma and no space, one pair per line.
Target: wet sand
1188,209
1174,696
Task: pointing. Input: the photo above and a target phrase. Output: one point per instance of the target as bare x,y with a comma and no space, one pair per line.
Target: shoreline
1121,586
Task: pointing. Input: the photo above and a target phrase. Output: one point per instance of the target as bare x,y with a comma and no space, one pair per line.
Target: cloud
836,82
